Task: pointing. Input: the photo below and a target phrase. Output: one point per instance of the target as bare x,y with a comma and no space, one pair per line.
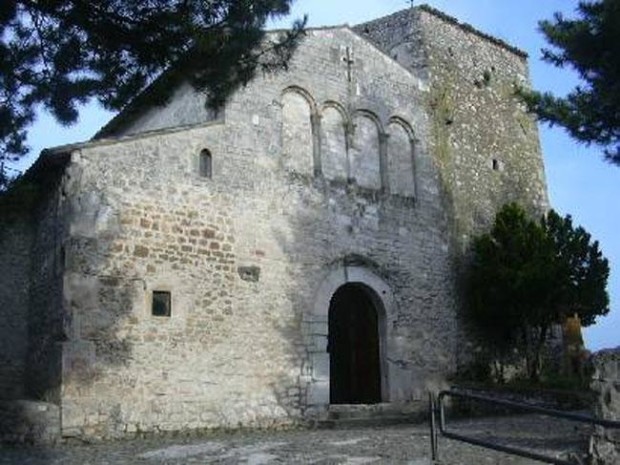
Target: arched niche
297,139
364,158
400,159
333,143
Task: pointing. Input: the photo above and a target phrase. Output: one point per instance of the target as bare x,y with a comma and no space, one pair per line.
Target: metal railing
438,424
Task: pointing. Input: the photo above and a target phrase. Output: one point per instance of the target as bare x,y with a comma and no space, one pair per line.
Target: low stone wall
30,422
605,443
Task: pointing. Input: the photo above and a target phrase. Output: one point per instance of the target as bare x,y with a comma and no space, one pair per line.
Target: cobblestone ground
351,446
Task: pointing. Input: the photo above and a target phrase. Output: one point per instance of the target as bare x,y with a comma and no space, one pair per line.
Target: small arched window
206,164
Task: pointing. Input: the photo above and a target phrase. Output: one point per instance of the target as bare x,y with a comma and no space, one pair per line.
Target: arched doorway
353,346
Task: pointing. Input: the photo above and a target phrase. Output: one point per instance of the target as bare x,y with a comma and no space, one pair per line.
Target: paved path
355,446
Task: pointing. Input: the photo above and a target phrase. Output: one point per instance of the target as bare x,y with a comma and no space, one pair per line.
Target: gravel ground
351,446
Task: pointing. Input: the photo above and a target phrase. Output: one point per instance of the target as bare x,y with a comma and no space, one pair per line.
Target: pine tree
590,44
57,54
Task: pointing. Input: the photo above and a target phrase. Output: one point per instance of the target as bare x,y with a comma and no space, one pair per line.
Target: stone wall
248,253
15,248
485,143
359,165
605,442
46,319
186,107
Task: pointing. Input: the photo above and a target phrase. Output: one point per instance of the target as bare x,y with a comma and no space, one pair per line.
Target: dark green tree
581,270
507,270
527,276
57,54
589,44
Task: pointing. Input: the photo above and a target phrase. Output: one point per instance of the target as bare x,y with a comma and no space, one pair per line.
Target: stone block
319,329
320,366
319,343
141,251
318,393
249,273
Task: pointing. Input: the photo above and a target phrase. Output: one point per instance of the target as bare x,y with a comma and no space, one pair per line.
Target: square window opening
162,304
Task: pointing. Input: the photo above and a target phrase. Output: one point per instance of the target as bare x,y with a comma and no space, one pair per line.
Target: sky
580,183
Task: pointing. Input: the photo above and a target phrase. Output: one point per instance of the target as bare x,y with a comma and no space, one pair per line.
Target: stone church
298,250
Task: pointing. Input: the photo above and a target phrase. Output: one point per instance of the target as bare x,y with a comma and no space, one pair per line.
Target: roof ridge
469,28
454,21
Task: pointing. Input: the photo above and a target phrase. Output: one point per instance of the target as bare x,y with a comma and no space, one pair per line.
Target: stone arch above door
348,275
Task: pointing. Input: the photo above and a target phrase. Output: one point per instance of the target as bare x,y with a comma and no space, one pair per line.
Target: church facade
297,250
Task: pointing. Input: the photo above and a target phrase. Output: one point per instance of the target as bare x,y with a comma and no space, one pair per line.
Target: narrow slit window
162,303
206,164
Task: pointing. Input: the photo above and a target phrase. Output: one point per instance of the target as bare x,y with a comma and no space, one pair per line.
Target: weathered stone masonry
15,250
342,170
476,116
605,442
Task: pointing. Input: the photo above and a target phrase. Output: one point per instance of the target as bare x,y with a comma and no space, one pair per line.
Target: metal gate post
432,406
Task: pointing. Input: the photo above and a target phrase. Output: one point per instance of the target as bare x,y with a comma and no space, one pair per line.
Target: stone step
367,422
355,415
